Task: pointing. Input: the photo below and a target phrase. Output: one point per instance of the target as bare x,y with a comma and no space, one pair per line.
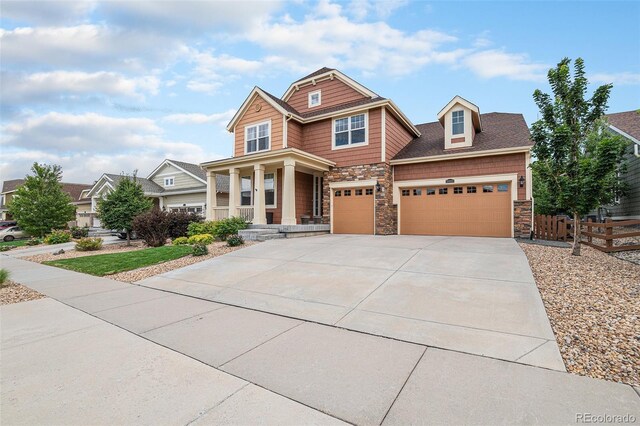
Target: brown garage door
353,211
471,210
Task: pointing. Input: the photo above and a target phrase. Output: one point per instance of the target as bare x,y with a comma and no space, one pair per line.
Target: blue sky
115,86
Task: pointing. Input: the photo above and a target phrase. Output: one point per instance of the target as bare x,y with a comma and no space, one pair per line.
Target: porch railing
220,213
246,213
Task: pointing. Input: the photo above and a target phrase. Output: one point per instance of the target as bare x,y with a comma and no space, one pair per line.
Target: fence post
589,239
563,229
609,233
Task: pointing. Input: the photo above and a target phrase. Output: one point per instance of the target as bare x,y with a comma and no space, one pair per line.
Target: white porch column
289,193
160,203
211,199
234,191
259,211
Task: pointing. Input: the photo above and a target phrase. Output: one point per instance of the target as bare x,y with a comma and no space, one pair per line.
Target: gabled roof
11,185
330,73
73,189
192,170
500,131
111,180
278,104
627,123
475,111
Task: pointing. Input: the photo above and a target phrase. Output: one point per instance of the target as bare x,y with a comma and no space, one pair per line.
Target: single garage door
353,211
482,210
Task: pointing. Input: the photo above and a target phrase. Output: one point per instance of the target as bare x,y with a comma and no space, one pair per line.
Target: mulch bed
593,304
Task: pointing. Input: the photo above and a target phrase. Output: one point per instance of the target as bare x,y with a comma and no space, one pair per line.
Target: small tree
120,206
577,160
40,204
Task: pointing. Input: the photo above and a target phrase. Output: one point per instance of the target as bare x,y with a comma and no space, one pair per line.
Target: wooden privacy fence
553,228
630,228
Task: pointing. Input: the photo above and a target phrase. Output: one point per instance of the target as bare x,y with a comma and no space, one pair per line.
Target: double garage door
353,210
467,210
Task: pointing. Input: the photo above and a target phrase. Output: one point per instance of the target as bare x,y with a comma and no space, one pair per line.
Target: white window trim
256,125
173,181
366,131
315,92
253,189
463,123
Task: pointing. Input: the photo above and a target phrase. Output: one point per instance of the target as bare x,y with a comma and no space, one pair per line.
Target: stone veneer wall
386,218
522,217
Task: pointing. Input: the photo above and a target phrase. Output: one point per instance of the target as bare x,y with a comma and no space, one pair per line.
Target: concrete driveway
473,295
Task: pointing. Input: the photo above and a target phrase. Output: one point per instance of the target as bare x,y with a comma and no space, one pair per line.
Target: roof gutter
487,153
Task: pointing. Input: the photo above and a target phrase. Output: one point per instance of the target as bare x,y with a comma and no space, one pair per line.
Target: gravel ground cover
69,254
12,292
215,249
593,304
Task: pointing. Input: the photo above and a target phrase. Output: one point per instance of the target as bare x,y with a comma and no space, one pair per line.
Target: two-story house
335,152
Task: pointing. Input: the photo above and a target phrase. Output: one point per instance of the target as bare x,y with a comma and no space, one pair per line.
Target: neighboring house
173,186
9,187
332,151
627,124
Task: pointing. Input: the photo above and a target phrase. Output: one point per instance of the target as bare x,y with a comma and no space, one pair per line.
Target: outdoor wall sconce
378,187
521,181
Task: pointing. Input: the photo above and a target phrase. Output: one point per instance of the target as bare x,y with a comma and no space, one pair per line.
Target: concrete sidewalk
65,362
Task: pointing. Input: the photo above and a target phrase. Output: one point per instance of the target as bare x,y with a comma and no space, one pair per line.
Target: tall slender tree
40,204
577,159
118,209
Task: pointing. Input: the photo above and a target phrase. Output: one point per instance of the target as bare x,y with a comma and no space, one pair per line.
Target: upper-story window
169,181
457,121
315,98
257,137
350,131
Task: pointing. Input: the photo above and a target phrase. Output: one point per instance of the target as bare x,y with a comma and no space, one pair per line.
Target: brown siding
493,165
304,195
277,212
317,140
294,134
397,136
333,92
251,116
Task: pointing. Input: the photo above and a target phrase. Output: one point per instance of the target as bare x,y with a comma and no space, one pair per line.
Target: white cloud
50,12
382,9
196,118
620,78
211,72
47,86
498,63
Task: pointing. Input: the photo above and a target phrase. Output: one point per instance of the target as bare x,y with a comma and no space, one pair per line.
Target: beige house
173,186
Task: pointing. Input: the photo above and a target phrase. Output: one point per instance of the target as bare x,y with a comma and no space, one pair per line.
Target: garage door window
457,190
431,191
358,191
338,193
503,187
347,193
369,191
417,192
442,191
471,189
406,192
487,188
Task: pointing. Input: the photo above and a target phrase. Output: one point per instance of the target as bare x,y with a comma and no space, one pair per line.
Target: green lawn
106,264
14,243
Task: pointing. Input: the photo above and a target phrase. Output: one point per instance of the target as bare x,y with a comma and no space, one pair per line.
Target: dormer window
457,122
169,181
315,98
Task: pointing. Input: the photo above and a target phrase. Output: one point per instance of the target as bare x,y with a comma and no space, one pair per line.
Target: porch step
275,231
254,234
266,237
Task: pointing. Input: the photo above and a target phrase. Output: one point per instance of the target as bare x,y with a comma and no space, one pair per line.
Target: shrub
200,239
33,241
4,276
199,249
178,223
197,228
229,226
234,240
181,241
77,232
152,227
89,244
6,248
58,237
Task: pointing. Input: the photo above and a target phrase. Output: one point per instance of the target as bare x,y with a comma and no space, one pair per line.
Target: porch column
289,193
259,211
211,200
234,191
160,203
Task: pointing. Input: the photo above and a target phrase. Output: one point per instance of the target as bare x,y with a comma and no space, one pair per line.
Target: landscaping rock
15,293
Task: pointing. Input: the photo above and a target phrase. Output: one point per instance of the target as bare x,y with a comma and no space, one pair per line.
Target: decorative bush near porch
107,264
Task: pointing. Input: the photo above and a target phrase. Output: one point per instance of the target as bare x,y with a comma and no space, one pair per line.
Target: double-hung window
257,137
457,122
350,131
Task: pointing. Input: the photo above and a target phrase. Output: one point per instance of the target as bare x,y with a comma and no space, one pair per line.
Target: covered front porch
276,187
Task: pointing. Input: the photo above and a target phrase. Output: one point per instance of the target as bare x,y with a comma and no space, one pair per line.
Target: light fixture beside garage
378,187
521,181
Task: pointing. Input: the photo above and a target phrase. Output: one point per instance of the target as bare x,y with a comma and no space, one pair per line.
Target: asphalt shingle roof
73,189
499,130
627,121
148,186
315,73
222,181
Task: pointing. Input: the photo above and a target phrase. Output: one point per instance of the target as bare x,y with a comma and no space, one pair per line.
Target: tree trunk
576,235
128,237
